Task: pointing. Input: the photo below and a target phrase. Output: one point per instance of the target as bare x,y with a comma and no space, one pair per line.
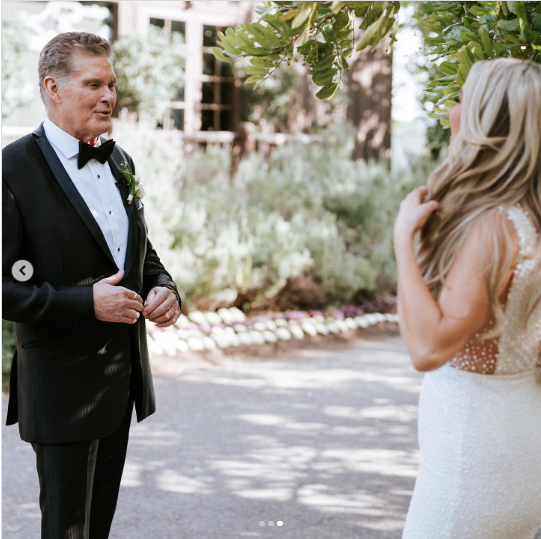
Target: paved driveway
319,445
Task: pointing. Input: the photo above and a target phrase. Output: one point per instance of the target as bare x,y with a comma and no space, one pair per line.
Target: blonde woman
469,301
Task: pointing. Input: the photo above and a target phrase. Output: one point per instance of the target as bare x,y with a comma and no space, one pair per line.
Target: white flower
130,197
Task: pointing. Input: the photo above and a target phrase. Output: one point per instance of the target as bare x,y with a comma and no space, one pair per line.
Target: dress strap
527,234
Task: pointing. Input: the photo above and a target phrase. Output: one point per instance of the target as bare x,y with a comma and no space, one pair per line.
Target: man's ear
52,89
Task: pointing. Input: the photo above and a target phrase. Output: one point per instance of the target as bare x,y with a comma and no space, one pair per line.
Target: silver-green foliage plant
15,55
8,349
306,210
457,34
150,71
323,33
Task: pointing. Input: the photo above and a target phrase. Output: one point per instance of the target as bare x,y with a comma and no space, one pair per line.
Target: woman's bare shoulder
465,287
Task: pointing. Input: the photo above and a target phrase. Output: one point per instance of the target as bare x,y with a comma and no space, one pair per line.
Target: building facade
211,98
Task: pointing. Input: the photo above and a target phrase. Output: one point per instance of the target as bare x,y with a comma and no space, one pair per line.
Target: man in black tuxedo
82,358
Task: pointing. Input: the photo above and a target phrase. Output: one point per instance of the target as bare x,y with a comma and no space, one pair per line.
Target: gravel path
321,444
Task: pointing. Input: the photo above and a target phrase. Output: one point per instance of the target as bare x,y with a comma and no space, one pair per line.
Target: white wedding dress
480,427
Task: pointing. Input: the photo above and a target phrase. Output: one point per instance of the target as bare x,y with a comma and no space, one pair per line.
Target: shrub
306,210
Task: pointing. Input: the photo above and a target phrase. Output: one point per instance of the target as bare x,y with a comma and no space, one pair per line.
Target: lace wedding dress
480,427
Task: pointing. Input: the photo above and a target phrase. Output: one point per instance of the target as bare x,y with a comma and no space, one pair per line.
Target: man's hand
161,306
116,303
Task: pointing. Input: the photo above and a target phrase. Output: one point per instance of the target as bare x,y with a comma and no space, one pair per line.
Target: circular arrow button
22,270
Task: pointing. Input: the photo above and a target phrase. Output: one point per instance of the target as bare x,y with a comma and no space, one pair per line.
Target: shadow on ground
323,442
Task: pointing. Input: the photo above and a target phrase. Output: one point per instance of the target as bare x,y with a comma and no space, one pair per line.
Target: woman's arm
435,330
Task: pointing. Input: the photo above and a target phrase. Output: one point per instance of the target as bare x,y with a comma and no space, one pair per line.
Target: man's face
88,97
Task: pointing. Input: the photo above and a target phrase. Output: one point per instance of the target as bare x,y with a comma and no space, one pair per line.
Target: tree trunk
370,85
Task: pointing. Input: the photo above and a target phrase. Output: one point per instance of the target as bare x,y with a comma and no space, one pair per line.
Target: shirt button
109,212
98,176
118,249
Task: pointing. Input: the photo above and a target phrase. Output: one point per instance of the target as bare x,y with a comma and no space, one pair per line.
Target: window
178,27
218,86
157,22
175,115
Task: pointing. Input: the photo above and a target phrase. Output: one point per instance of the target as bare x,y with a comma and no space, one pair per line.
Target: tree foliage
15,54
321,32
458,34
150,71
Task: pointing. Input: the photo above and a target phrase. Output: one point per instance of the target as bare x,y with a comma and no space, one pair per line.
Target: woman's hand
413,214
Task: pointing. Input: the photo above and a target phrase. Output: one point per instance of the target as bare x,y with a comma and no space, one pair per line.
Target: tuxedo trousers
79,483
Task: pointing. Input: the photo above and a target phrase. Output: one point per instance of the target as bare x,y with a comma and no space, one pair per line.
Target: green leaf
448,68
487,43
230,50
476,50
219,55
465,57
536,21
301,17
322,79
369,33
289,14
502,47
478,11
269,61
324,64
336,7
511,25
256,71
355,5
343,34
450,103
265,36
327,92
253,79
340,22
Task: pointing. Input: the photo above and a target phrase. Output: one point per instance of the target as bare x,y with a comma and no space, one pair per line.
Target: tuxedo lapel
114,162
71,191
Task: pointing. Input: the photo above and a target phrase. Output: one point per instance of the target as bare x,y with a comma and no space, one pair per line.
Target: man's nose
108,96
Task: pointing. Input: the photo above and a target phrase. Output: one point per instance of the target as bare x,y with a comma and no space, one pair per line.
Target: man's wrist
172,291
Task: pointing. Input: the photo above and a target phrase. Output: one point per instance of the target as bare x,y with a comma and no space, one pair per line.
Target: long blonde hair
494,160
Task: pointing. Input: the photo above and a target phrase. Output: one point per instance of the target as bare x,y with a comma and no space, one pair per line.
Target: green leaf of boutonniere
135,187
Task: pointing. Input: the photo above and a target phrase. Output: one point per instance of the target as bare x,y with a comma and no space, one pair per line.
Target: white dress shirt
96,184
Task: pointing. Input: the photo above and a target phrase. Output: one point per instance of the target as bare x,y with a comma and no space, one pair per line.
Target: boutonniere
133,182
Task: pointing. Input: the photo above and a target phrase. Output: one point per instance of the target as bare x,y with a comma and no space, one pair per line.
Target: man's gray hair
55,58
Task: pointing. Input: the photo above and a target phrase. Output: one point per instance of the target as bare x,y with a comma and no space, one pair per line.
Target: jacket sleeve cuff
159,279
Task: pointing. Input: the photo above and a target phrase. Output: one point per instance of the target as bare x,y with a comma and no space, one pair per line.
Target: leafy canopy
321,32
456,34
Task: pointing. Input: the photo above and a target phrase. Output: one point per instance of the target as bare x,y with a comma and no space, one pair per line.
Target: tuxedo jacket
70,376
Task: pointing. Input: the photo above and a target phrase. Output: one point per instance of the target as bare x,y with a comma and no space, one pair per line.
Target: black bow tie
88,152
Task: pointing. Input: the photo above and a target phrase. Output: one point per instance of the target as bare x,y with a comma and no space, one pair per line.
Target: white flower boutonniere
133,181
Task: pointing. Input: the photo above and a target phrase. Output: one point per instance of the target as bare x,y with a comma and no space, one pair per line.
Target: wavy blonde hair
494,160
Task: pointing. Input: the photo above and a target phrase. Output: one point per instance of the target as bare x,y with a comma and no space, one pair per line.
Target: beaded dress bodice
517,349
